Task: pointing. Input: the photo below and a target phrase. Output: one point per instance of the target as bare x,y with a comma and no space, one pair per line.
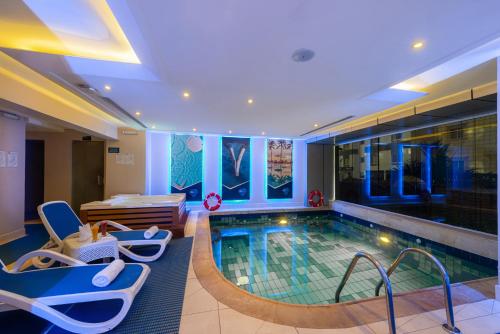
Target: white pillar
497,288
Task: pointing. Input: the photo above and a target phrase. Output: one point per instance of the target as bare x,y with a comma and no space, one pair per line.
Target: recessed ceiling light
250,101
107,87
186,94
138,113
418,45
316,125
230,131
195,129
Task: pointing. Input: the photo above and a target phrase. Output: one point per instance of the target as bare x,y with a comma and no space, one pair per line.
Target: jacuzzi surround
303,260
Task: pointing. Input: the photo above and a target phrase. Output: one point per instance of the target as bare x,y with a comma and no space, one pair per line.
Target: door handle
99,180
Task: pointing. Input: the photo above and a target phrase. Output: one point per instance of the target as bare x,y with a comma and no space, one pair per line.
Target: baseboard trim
11,236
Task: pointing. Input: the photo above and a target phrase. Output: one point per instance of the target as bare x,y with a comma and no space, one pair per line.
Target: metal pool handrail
385,279
450,319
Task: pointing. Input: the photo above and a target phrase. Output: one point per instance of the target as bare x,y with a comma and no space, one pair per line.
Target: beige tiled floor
203,314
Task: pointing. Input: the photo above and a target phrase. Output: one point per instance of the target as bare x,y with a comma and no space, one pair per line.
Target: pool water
300,258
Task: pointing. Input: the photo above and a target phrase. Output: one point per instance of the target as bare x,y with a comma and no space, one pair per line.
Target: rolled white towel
151,232
108,274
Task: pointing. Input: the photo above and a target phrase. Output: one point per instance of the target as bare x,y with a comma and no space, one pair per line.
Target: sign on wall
186,174
279,168
235,168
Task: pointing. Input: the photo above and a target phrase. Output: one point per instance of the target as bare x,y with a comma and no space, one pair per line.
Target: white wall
12,139
158,174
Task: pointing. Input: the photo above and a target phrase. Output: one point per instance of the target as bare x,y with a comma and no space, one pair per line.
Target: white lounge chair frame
123,246
42,306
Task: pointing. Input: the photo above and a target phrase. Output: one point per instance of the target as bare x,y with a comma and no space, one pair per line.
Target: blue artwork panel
279,169
235,168
187,166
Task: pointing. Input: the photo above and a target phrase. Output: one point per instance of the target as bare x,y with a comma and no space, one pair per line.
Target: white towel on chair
108,274
151,232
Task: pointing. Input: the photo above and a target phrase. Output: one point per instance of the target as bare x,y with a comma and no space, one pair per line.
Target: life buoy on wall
315,198
210,198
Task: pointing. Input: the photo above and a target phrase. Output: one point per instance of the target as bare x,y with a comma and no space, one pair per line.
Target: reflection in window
445,173
414,164
380,168
439,167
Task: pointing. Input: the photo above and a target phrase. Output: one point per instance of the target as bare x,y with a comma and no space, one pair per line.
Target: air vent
92,95
10,115
87,87
95,93
123,111
328,125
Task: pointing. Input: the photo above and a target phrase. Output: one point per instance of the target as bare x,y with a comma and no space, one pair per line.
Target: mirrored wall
445,173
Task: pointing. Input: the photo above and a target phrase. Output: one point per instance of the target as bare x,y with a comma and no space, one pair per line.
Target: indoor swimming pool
300,258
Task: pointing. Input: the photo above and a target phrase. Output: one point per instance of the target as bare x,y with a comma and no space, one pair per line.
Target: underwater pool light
385,239
242,280
283,222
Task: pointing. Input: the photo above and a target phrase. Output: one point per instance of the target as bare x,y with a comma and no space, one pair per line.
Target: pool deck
212,304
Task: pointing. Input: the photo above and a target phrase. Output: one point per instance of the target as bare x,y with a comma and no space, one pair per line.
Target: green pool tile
305,261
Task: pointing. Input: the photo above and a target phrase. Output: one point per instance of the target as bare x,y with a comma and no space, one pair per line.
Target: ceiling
224,52
85,28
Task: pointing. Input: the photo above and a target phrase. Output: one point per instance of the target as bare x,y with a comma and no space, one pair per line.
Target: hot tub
140,212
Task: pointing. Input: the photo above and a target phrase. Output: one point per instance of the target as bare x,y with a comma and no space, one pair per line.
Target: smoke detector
302,55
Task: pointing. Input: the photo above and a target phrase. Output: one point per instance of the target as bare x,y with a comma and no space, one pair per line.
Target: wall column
13,144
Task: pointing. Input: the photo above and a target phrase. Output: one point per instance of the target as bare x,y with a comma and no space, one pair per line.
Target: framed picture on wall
186,166
279,168
235,165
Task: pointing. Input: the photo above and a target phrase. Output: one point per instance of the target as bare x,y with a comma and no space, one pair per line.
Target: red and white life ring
315,198
210,198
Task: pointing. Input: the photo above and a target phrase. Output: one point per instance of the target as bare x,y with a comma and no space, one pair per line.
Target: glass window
445,173
380,167
414,164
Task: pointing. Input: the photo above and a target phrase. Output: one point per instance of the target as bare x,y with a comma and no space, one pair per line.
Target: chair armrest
114,224
48,254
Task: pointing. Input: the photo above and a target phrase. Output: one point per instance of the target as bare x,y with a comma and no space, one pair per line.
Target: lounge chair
37,291
61,221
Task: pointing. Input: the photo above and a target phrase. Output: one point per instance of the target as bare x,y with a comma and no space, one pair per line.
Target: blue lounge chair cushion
65,280
62,219
137,235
